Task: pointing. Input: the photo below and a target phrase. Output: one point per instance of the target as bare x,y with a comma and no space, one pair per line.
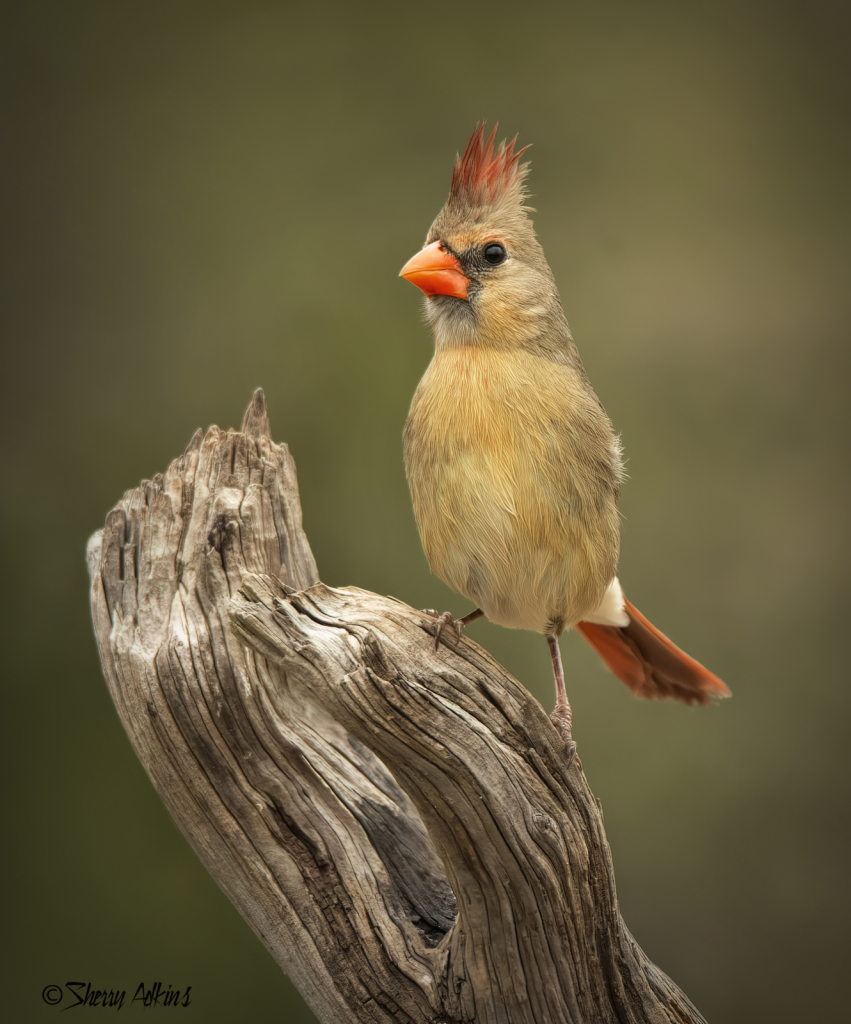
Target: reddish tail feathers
649,664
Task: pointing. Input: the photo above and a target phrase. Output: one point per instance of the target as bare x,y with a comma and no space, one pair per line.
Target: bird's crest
482,176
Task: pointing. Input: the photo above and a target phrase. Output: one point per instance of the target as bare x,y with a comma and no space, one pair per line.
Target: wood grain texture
398,825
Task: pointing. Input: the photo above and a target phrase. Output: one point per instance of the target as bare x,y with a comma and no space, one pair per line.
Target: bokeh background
200,198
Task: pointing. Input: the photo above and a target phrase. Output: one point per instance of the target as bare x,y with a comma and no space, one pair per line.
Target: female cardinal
513,465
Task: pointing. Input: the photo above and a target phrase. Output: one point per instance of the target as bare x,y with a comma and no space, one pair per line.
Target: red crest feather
481,175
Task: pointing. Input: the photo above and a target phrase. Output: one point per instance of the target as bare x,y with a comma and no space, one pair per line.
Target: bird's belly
514,476
512,541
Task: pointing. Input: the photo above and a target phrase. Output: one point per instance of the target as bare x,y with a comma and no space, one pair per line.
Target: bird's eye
494,253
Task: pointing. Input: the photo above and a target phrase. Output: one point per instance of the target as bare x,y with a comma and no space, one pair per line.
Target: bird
513,465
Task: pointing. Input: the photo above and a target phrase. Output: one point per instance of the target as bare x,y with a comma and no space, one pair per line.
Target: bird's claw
444,621
561,721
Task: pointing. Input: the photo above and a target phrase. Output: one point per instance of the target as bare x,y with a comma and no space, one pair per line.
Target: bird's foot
444,622
561,716
561,720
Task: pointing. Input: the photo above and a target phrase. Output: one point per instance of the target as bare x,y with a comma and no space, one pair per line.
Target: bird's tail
649,664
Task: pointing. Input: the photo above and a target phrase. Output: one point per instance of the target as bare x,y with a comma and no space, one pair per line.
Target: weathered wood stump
399,825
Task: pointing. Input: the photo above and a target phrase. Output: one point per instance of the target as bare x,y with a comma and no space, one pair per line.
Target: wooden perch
398,825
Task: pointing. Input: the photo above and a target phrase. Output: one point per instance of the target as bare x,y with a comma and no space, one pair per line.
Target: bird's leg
445,621
561,716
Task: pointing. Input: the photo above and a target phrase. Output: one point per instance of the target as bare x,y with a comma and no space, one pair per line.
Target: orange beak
436,272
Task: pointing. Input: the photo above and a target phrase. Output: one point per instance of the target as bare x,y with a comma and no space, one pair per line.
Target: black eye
494,253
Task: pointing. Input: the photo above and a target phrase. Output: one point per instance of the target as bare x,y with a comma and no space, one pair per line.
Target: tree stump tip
256,420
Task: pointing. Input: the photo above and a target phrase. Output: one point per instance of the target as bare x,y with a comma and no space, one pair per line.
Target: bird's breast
513,483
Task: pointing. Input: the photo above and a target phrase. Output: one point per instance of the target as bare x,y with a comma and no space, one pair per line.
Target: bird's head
482,269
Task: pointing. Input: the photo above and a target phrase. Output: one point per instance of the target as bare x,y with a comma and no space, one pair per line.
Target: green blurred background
204,198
